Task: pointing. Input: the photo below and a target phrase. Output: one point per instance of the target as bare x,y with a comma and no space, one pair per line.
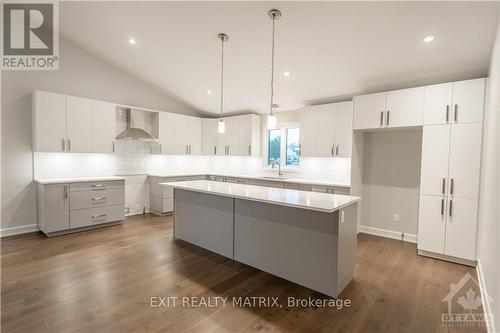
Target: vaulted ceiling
332,50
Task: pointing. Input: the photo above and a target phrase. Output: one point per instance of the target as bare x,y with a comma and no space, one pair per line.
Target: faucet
279,166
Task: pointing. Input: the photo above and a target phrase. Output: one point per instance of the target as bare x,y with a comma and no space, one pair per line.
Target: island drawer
89,199
90,216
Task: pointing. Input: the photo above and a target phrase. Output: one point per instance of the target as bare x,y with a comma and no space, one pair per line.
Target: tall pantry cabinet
451,158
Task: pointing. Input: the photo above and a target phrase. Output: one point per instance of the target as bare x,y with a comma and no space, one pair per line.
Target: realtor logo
464,304
30,35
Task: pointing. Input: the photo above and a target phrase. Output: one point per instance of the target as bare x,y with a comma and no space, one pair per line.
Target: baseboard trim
490,324
410,238
439,256
24,229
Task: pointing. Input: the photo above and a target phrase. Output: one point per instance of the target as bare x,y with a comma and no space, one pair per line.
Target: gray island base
304,237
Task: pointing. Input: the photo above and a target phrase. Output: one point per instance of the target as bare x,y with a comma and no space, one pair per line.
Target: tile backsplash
134,158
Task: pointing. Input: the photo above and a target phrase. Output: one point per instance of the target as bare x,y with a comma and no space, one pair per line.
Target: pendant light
274,14
221,127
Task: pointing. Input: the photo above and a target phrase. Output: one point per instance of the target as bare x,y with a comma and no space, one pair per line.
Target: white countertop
258,177
321,202
45,181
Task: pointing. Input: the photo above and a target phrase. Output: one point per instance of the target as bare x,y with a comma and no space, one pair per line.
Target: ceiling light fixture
221,127
209,92
132,41
429,39
286,73
274,14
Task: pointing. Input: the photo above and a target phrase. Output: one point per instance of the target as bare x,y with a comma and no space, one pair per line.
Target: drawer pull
98,198
98,187
98,216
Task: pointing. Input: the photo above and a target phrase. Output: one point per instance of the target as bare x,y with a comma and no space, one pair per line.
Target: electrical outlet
396,218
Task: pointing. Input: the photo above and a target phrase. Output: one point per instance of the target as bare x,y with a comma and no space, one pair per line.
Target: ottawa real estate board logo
30,35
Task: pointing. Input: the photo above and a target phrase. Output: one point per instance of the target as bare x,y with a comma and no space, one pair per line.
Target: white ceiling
333,50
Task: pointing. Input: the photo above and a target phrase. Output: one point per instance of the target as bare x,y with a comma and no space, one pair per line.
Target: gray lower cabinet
63,208
162,197
53,207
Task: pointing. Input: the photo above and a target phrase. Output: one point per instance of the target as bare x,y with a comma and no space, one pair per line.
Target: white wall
489,196
391,180
80,74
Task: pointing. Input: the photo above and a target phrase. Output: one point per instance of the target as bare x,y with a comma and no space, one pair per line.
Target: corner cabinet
72,124
326,130
70,207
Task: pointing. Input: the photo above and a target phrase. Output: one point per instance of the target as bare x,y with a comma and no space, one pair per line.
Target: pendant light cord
222,81
272,70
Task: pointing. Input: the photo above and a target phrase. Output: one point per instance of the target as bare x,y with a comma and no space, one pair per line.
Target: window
274,147
283,142
292,146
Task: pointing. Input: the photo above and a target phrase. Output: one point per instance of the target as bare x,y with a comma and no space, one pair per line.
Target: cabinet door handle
447,112
215,150
186,149
228,150
337,151
332,149
451,186
442,207
249,150
443,186
98,198
65,191
381,118
451,207
300,149
98,215
69,144
455,116
63,144
387,120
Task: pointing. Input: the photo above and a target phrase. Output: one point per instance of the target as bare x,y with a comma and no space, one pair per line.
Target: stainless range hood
133,131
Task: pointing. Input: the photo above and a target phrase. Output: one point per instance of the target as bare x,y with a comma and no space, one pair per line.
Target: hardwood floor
103,280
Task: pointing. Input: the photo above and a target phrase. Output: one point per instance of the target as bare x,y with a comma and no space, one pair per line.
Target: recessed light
429,39
209,92
286,73
132,41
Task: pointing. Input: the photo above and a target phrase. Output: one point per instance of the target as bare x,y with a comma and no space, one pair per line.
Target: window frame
283,127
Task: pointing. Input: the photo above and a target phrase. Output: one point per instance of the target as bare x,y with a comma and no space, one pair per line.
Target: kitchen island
305,237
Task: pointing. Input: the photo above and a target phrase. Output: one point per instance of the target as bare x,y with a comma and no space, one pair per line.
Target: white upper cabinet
209,136
405,107
241,137
437,104
326,130
166,132
49,122
454,102
343,129
79,124
249,132
72,124
399,108
468,101
187,135
325,116
103,127
307,125
369,111
194,135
